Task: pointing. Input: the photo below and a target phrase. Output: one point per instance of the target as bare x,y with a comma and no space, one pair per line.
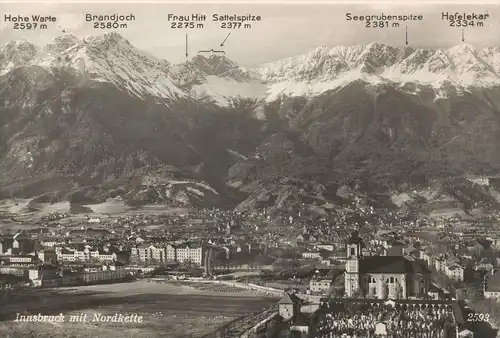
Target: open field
215,287
26,207
167,310
26,213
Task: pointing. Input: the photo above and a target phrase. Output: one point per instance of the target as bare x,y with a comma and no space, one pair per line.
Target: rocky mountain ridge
97,118
111,58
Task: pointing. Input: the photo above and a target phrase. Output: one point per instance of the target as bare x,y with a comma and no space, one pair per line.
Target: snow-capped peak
61,43
108,58
16,54
108,41
325,68
214,64
325,63
462,48
18,44
218,79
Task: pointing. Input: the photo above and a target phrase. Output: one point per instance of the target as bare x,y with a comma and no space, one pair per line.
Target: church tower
354,253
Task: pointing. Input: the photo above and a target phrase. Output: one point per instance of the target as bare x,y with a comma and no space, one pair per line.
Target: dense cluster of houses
110,249
463,262
107,241
51,262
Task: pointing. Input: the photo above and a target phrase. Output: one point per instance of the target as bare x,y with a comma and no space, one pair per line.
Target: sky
286,29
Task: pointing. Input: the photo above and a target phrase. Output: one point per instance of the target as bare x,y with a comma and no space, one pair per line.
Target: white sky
286,29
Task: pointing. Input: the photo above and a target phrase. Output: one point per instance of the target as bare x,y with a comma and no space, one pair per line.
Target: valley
189,164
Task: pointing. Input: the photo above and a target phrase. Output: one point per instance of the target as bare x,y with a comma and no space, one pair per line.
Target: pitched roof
455,266
434,289
390,264
289,298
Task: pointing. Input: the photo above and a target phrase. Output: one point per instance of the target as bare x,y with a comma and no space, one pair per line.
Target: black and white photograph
249,169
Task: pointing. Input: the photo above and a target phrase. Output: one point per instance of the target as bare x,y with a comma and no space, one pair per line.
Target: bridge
238,326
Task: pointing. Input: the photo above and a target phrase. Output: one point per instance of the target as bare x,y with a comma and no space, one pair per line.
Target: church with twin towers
383,277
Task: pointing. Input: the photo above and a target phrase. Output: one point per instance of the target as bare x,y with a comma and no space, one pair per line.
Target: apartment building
106,273
169,253
85,255
327,247
66,256
311,255
150,253
440,265
50,243
21,261
107,256
455,271
190,254
485,265
426,257
320,285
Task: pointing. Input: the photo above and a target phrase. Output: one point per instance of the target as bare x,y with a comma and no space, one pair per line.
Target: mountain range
96,118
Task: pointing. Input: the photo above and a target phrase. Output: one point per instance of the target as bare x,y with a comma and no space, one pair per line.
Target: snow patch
221,89
195,191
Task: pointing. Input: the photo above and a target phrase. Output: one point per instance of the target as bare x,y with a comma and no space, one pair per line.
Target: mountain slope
63,137
380,134
86,120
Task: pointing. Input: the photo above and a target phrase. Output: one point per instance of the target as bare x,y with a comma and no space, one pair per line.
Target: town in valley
320,272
